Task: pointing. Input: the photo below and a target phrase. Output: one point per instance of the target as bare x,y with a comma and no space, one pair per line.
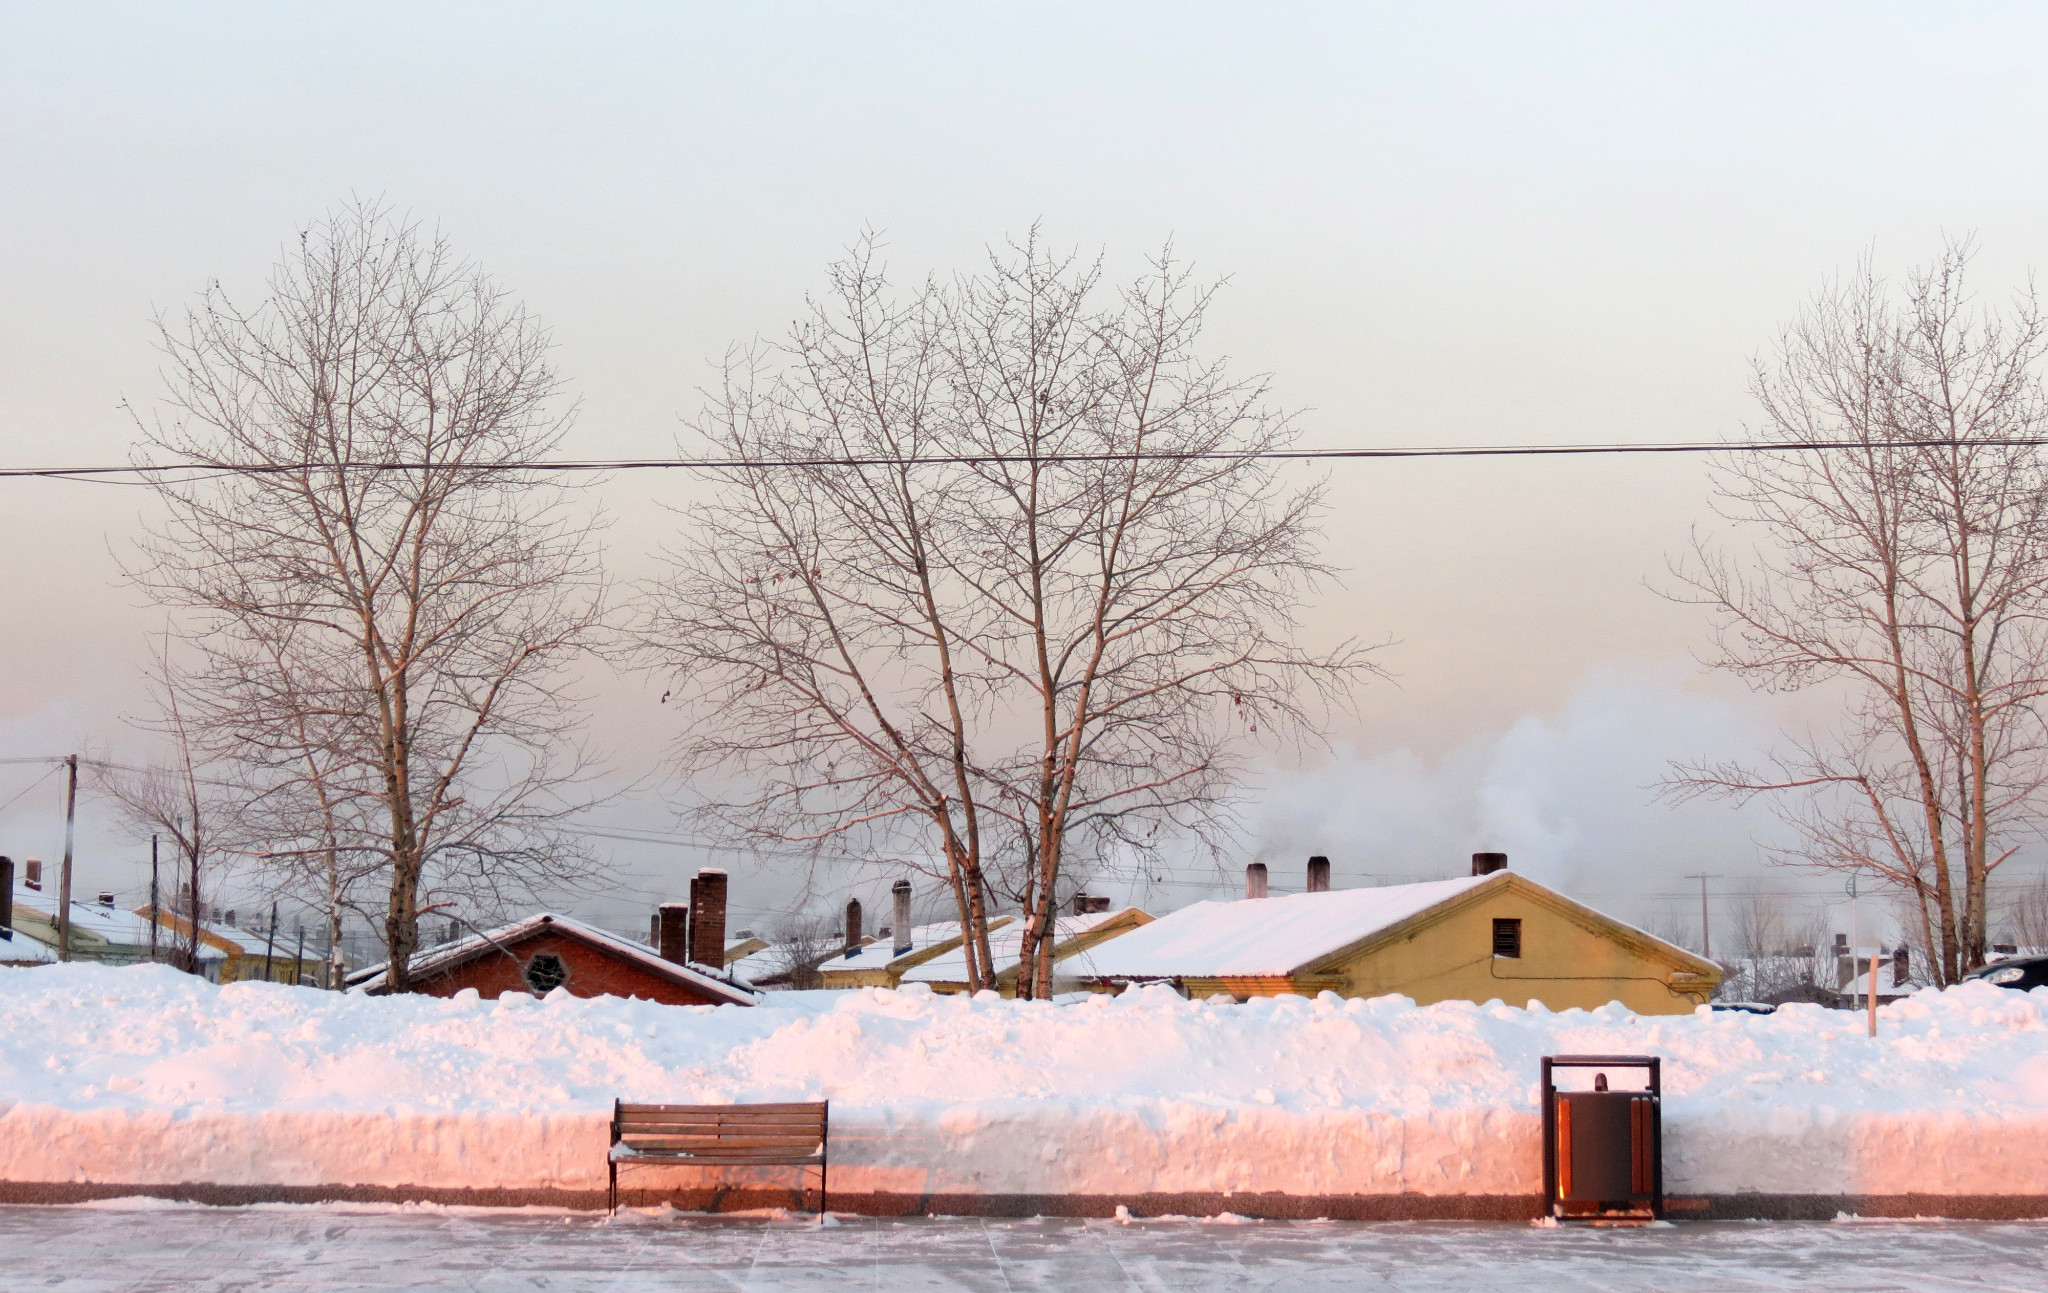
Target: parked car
2016,972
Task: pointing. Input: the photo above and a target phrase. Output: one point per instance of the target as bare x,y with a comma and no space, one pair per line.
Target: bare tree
1778,950
174,800
1002,583
383,590
2026,915
1906,569
803,941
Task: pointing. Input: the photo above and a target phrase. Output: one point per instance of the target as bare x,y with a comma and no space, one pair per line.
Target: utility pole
64,876
1706,931
270,945
154,919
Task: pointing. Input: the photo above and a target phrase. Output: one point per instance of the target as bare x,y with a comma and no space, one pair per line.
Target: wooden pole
299,957
269,945
154,920
64,876
1873,992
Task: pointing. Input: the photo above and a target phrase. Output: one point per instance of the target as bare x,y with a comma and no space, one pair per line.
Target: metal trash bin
1603,1151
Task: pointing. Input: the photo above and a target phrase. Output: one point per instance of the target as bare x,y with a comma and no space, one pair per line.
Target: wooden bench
720,1135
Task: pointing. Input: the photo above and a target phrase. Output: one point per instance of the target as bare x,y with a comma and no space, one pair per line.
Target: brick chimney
672,931
853,927
707,918
1255,880
1319,875
32,874
1488,863
7,898
901,928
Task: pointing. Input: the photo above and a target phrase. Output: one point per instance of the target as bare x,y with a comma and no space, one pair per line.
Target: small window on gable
1507,936
545,972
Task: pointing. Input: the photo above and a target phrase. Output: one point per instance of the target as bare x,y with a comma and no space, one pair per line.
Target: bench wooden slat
636,1110
723,1124
793,1124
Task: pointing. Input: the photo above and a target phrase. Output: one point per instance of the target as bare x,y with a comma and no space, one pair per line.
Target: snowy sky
1442,223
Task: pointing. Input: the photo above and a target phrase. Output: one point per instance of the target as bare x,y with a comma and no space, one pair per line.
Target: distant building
241,951
876,964
1489,935
1074,938
100,932
546,951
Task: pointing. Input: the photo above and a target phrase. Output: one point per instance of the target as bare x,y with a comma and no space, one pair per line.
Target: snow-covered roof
882,951
110,924
1004,948
715,982
23,950
1266,936
244,940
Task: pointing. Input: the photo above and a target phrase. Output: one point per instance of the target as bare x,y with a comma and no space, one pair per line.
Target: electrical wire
144,472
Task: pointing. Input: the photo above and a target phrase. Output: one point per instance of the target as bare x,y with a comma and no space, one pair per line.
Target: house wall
592,973
1564,963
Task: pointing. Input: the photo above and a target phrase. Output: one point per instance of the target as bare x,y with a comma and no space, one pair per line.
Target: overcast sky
1441,224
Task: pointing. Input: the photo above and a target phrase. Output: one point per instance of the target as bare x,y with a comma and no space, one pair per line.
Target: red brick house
546,951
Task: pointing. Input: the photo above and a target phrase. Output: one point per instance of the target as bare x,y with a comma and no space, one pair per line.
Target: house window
545,973
1507,937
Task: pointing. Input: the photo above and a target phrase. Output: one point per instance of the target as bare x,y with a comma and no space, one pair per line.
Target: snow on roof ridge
1006,947
1268,936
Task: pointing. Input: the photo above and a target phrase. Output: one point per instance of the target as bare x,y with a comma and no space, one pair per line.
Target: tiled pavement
132,1246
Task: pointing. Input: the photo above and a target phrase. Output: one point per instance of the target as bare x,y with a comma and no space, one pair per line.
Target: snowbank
141,1075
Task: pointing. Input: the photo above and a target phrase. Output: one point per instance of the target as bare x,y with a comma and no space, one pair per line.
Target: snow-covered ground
142,1075
130,1246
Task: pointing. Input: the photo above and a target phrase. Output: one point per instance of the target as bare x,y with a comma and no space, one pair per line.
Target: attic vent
1507,937
545,972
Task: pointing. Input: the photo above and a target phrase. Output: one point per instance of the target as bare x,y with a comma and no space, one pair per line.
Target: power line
145,472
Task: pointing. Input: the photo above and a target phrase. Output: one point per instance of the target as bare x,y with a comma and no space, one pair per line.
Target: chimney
1902,967
901,929
672,931
654,928
1319,875
106,897
1255,880
1488,863
707,918
229,918
7,898
32,874
853,927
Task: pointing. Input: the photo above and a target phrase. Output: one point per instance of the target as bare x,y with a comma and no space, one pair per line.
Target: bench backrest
734,1132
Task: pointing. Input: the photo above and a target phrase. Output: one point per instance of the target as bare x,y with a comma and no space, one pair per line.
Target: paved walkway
138,1245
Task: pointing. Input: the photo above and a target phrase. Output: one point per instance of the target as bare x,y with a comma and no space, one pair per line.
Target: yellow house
1072,937
876,965
241,950
1476,938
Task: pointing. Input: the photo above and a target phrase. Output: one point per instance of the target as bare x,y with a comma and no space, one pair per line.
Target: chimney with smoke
707,918
1319,875
1488,863
901,928
1255,880
672,931
853,927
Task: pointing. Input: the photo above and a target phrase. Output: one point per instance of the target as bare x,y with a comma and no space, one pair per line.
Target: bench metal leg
613,1195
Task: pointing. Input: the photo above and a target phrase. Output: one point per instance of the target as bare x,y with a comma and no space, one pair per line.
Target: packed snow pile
143,1075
